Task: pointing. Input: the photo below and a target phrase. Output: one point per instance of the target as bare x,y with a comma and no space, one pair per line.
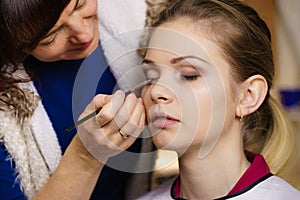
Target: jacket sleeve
9,184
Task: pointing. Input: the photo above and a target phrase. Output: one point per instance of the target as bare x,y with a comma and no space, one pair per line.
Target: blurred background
283,19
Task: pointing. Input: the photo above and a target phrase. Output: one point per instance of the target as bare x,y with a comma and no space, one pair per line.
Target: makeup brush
139,86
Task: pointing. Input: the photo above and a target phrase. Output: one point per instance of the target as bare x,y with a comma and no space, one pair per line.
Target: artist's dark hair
22,25
246,44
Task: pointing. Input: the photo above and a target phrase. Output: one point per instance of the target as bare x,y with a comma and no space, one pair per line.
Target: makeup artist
42,48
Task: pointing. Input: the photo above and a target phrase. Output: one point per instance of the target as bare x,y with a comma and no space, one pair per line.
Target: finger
123,143
141,126
123,134
100,100
136,121
118,142
142,122
97,102
109,110
132,138
129,131
131,108
125,112
123,115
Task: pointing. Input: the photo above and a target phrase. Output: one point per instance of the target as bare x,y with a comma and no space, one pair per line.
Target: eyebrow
57,29
178,59
75,6
174,60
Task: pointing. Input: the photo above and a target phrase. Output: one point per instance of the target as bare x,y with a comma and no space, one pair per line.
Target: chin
164,141
89,50
92,47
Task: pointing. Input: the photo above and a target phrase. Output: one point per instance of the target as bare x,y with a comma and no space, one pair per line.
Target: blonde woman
210,101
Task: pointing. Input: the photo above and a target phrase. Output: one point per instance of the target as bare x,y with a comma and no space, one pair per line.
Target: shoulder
9,184
273,188
162,192
280,186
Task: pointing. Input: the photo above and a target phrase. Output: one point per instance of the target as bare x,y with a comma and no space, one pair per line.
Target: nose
80,28
160,94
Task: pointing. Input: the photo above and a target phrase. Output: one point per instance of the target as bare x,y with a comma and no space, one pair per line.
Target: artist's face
74,36
186,106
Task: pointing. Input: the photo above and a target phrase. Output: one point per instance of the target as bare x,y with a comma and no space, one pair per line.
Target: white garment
30,141
121,23
162,192
272,188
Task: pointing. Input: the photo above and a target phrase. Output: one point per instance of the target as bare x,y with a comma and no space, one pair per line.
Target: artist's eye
51,38
49,43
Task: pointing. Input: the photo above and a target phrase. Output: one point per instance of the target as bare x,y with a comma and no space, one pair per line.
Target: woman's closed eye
189,73
190,77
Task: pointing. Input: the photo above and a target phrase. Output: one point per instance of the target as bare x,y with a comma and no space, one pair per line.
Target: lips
85,45
82,46
163,120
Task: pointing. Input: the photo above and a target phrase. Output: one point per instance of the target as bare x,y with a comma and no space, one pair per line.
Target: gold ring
124,135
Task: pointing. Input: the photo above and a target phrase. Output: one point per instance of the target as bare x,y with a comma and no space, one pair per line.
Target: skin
103,132
203,67
75,36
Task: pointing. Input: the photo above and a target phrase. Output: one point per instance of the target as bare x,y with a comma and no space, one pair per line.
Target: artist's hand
117,125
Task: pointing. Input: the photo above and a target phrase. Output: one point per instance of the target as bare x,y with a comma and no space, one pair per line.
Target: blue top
55,84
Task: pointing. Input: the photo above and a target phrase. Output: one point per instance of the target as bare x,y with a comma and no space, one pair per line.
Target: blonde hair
281,136
246,43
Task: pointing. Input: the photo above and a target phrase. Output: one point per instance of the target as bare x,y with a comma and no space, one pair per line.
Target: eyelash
50,42
190,77
183,77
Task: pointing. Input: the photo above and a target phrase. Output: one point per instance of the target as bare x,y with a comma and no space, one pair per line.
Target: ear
253,93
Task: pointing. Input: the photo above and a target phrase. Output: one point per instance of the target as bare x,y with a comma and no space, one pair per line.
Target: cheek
52,53
145,95
93,8
147,106
204,114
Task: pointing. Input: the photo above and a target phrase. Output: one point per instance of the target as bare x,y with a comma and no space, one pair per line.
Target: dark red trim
256,173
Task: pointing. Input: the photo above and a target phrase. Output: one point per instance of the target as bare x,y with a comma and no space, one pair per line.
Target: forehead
181,38
69,9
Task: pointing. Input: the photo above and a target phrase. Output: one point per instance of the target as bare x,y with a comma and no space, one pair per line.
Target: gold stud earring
241,118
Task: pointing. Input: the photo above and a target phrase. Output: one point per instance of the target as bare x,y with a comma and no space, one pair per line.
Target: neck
216,174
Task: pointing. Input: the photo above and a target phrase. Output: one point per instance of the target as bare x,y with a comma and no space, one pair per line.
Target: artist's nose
80,28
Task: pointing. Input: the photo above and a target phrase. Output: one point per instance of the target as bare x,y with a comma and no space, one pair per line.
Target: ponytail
275,141
280,143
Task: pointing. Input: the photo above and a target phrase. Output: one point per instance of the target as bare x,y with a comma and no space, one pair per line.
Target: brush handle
139,86
71,127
